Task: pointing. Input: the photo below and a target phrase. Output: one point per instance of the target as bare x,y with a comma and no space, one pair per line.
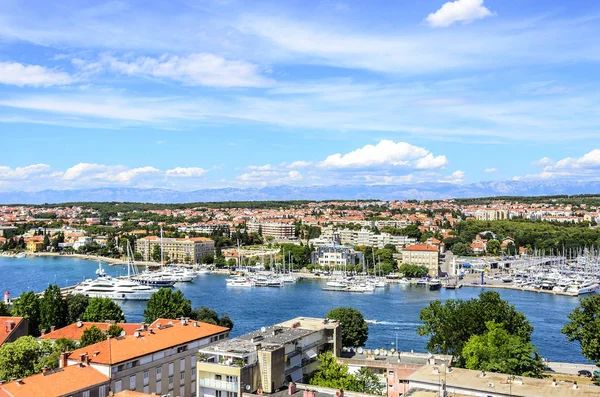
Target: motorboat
507,279
239,282
404,281
586,287
422,281
155,279
434,284
113,288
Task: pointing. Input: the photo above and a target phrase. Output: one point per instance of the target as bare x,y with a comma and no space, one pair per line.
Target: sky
224,93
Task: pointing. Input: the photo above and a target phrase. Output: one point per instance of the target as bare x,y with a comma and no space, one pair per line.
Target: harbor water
395,308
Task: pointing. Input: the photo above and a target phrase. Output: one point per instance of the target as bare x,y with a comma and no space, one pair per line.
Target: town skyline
216,94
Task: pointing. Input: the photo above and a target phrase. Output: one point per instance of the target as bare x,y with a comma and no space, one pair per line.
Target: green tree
355,329
450,324
103,309
4,312
92,335
46,243
19,358
493,247
76,305
114,331
28,306
225,321
584,327
460,249
165,303
498,351
367,382
413,271
210,316
332,374
53,308
155,253
52,352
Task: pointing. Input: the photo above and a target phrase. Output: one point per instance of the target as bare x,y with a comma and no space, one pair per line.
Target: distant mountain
420,191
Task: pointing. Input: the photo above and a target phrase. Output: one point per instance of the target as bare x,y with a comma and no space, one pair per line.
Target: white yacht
239,282
586,287
115,289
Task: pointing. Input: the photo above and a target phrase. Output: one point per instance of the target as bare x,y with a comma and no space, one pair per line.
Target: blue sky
216,93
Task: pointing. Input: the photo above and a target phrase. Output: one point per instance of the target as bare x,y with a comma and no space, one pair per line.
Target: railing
220,385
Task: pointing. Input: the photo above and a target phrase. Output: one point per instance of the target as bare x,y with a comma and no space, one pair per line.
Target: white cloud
464,11
14,73
23,172
490,170
386,153
186,172
586,167
194,69
543,161
456,177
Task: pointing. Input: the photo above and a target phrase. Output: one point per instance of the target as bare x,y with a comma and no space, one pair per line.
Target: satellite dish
263,329
248,387
122,333
376,352
79,324
360,350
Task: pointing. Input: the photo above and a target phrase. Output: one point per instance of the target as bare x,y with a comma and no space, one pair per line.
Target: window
132,382
182,391
193,388
182,364
170,369
231,378
218,393
231,394
182,376
86,393
193,364
218,377
118,387
102,391
147,389
170,381
158,372
158,387
146,377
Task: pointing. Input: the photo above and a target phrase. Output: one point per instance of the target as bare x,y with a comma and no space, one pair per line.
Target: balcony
220,385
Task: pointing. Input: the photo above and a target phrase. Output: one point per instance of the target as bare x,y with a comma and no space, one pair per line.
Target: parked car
584,372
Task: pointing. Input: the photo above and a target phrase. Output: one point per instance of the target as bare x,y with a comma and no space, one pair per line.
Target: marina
395,307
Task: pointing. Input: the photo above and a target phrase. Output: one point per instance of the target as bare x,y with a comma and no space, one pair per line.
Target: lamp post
396,329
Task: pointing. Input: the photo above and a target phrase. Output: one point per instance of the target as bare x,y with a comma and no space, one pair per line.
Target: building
276,230
393,368
74,381
159,358
267,359
82,242
336,256
179,250
466,382
8,231
12,328
34,245
422,255
75,331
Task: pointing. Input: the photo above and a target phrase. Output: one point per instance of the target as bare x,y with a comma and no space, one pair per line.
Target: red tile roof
117,350
7,326
421,247
74,331
57,383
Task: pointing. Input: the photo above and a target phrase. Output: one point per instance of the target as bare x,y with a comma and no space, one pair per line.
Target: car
584,372
597,373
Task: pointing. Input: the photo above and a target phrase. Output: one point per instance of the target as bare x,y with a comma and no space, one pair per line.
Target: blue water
397,307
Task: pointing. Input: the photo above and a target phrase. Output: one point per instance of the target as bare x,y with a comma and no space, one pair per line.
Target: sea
396,308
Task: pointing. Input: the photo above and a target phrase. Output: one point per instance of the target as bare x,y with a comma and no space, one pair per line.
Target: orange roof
421,247
132,393
117,350
5,329
74,331
201,239
56,383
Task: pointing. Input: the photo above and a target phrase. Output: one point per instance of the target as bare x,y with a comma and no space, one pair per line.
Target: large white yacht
114,288
586,287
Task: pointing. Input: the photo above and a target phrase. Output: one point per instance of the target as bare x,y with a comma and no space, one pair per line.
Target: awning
311,353
297,375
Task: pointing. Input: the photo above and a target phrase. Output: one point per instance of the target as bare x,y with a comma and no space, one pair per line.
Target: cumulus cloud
14,73
586,167
186,172
386,153
490,170
20,173
193,69
543,161
464,11
456,177
262,176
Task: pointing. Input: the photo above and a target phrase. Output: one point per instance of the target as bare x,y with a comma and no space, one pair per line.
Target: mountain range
421,191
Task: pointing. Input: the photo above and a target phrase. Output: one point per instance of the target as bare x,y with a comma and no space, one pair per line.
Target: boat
435,284
239,282
586,287
404,281
507,279
154,279
20,255
371,321
422,281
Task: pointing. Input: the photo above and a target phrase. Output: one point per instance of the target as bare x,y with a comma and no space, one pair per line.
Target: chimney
19,382
62,363
291,388
43,332
52,328
44,369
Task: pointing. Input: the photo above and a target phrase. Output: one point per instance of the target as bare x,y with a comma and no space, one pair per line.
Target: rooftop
75,331
271,337
7,326
421,247
161,335
55,383
498,383
395,357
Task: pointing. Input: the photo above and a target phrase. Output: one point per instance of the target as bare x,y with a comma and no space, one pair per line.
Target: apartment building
267,359
422,255
491,214
74,381
276,230
180,250
159,358
12,328
336,256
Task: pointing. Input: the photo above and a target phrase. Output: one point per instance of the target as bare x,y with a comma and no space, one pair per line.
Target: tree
53,308
367,382
114,331
332,374
155,253
103,309
493,247
498,351
413,271
450,324
46,243
91,336
355,329
225,321
4,312
210,316
18,359
28,306
584,327
165,303
52,352
460,249
76,305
